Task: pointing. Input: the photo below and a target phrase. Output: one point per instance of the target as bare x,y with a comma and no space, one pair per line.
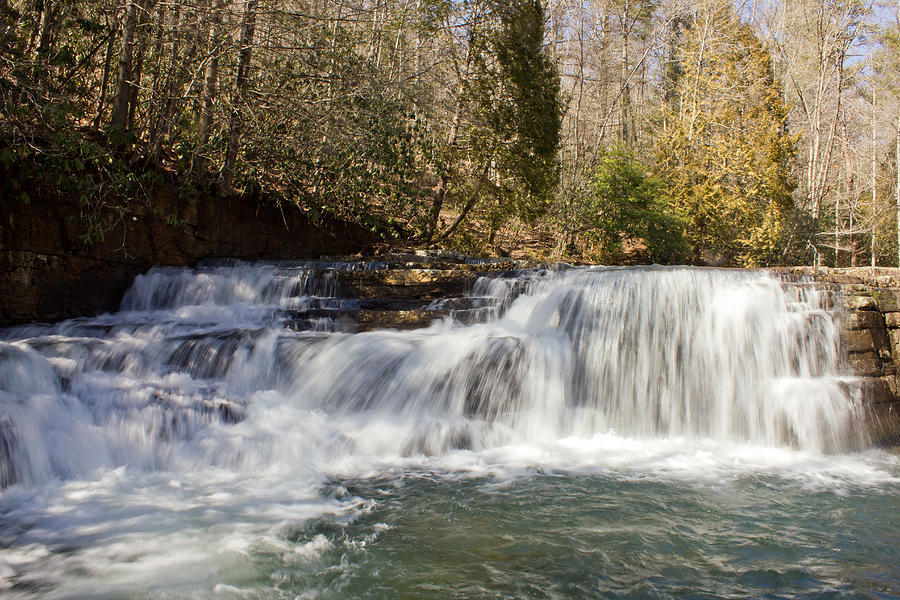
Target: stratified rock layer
871,338
49,272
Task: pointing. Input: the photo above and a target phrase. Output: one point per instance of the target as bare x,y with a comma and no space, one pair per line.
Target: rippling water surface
650,433
559,535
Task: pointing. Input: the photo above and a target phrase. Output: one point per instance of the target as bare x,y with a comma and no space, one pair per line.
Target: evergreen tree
515,117
726,154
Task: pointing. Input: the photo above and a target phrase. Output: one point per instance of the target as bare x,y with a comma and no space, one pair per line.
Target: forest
749,133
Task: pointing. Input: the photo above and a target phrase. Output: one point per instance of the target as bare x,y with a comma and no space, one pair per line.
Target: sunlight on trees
724,149
769,130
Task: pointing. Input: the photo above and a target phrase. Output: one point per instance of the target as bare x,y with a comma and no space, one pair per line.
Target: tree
210,72
813,40
887,80
726,154
128,70
627,205
417,116
514,115
236,124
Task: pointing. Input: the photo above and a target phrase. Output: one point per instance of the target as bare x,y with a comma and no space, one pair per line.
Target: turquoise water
679,521
607,536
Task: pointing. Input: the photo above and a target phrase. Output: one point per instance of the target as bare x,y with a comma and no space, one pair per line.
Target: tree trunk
134,88
211,75
470,204
161,81
235,126
837,225
104,85
122,100
625,89
577,136
703,33
441,191
874,181
46,27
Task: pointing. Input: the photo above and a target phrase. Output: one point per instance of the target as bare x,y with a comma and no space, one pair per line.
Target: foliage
527,125
626,204
725,152
461,120
510,97
353,155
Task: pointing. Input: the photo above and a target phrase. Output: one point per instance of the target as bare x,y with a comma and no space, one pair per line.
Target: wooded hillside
754,133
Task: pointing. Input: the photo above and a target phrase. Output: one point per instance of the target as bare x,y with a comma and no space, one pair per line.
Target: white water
165,442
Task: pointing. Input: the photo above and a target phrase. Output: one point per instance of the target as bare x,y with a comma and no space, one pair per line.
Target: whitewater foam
194,430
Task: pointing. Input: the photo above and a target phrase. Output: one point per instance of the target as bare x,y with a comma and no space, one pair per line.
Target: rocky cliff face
48,272
871,338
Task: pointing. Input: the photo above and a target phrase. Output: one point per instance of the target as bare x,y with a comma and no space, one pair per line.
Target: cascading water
228,412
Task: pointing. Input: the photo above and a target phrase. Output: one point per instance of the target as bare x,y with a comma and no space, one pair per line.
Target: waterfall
244,366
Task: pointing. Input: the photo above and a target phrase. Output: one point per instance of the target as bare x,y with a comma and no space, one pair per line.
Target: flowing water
641,433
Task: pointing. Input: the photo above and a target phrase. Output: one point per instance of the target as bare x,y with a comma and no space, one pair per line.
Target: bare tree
125,80
235,128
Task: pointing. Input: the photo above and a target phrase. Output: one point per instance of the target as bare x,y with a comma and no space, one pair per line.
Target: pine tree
726,154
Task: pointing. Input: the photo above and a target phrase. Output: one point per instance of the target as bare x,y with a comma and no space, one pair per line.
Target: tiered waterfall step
870,336
406,291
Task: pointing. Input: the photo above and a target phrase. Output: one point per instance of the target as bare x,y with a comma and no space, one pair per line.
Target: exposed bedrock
49,272
871,337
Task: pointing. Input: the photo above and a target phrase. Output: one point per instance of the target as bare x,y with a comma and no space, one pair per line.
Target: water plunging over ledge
248,430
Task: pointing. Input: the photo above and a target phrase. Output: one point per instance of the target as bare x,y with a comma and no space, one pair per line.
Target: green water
612,535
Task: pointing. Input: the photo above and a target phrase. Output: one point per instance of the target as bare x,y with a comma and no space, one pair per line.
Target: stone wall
48,272
871,338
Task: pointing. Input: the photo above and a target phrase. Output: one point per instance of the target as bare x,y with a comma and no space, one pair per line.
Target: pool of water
608,517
